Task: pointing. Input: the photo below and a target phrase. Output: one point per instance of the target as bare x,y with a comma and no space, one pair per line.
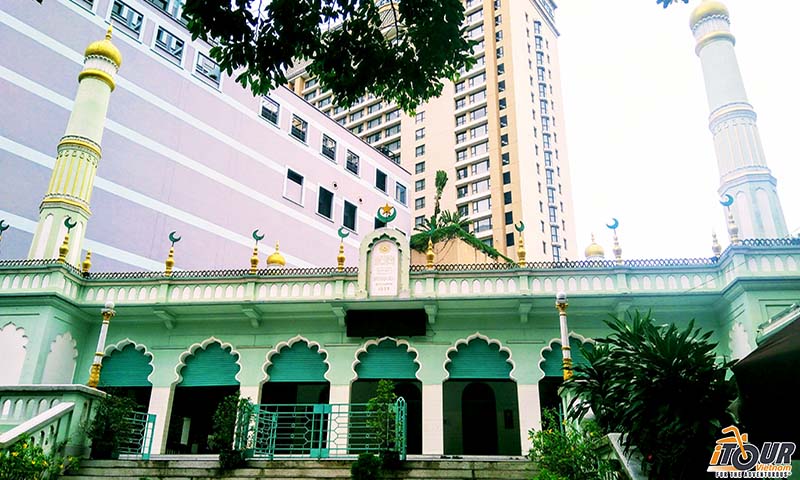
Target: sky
637,119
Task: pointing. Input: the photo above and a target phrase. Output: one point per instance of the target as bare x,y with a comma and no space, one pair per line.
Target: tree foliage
662,387
398,50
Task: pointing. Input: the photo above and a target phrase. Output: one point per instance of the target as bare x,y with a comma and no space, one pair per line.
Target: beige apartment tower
498,132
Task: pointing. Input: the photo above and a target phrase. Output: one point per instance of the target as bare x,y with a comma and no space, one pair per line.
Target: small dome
707,8
594,250
104,48
276,258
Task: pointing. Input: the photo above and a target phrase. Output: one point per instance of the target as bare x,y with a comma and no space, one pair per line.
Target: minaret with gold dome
743,170
70,189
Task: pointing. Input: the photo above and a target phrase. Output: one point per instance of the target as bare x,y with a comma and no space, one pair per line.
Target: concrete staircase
300,469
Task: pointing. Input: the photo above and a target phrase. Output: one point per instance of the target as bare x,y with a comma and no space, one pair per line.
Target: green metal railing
137,441
322,430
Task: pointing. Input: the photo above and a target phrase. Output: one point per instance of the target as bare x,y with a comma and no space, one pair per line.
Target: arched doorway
552,366
295,383
392,360
125,373
208,376
481,414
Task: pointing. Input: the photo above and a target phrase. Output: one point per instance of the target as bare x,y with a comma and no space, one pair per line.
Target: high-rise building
746,182
185,149
497,131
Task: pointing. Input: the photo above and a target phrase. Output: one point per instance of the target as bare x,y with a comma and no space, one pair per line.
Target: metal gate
322,430
137,440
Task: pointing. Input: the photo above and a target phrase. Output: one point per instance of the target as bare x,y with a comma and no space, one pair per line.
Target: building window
380,180
503,121
461,191
419,134
392,115
329,147
480,167
502,104
325,203
127,17
463,210
400,193
419,117
393,130
507,197
461,155
501,68
352,162
553,214
499,52
207,68
350,214
482,205
299,128
477,113
373,123
461,103
419,167
506,159
293,189
374,108
270,109
506,178
554,234
461,137
481,186
356,115
169,44
461,173
419,203
479,149
419,151
479,131
375,137
482,225
556,253
537,27
504,140
419,220
510,239
509,218
477,96
419,185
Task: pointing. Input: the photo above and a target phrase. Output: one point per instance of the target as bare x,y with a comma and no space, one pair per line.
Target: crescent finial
614,224
727,200
4,226
173,238
343,233
256,236
69,223
520,227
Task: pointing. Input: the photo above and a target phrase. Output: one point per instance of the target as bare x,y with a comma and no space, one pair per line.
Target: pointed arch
135,368
276,355
192,350
548,353
499,371
396,368
13,343
59,367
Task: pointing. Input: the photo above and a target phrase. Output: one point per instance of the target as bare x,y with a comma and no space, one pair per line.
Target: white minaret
743,170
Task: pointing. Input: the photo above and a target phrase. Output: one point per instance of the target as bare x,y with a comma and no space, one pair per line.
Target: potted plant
110,422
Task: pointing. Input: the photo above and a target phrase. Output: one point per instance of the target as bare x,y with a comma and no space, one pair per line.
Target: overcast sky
637,119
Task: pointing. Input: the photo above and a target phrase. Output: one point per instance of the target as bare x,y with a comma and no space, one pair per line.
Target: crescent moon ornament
69,223
343,233
4,226
256,236
173,238
727,200
520,227
614,224
386,214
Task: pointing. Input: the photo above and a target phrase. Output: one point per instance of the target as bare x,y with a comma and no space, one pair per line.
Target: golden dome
706,9
594,250
276,258
104,48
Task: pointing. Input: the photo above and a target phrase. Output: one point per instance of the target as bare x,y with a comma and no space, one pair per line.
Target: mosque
474,350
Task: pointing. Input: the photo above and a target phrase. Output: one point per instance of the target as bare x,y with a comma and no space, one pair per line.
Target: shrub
25,461
662,387
231,411
367,467
111,420
381,420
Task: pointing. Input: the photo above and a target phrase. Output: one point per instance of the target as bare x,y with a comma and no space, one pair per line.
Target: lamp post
108,313
561,306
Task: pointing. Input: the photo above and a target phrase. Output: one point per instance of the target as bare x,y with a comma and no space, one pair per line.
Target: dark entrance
191,420
411,391
479,420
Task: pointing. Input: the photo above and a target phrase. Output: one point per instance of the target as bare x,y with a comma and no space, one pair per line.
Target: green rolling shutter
211,367
479,359
387,360
552,365
128,367
298,363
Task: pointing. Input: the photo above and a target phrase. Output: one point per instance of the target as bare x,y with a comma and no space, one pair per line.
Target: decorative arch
398,343
13,342
283,347
61,361
190,352
125,344
465,342
548,352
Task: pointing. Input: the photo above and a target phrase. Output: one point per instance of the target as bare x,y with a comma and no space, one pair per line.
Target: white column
338,423
530,415
161,406
432,419
252,392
